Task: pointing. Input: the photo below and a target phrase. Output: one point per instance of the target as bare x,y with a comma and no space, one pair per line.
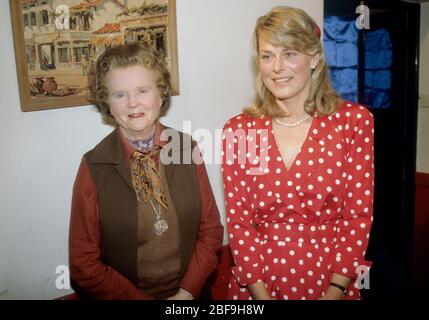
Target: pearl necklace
293,124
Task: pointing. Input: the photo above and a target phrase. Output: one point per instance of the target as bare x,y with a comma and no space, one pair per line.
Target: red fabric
102,282
292,228
222,275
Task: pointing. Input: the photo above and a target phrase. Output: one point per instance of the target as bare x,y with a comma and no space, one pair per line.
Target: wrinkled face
285,73
134,100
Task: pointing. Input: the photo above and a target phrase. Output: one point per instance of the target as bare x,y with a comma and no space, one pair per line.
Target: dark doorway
391,241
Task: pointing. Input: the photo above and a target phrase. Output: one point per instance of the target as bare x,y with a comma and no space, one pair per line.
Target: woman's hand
182,294
332,294
259,292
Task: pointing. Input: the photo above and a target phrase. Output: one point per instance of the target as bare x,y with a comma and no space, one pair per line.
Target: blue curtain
341,50
340,41
378,63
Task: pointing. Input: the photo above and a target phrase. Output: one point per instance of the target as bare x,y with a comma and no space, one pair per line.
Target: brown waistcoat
118,203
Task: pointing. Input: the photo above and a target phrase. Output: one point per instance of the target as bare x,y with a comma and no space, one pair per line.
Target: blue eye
119,95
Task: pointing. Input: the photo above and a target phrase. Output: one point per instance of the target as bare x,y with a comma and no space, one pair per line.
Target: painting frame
39,89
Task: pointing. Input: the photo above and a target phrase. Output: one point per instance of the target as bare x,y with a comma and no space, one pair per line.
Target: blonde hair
127,55
292,28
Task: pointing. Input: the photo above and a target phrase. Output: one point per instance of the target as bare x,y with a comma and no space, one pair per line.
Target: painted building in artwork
48,48
94,25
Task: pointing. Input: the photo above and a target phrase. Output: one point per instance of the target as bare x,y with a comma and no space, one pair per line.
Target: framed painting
58,41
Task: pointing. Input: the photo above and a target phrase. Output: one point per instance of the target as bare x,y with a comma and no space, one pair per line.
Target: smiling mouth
282,80
136,115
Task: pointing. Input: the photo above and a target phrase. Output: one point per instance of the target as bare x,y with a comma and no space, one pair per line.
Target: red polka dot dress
293,228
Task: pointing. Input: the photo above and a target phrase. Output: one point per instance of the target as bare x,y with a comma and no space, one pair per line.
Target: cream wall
423,119
41,150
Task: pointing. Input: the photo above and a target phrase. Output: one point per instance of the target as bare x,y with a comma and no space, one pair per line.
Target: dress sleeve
95,279
209,239
244,240
354,228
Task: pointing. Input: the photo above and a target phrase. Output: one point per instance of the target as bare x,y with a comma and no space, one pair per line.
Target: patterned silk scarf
146,177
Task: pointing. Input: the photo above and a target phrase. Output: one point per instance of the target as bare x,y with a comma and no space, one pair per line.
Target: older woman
298,173
140,229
